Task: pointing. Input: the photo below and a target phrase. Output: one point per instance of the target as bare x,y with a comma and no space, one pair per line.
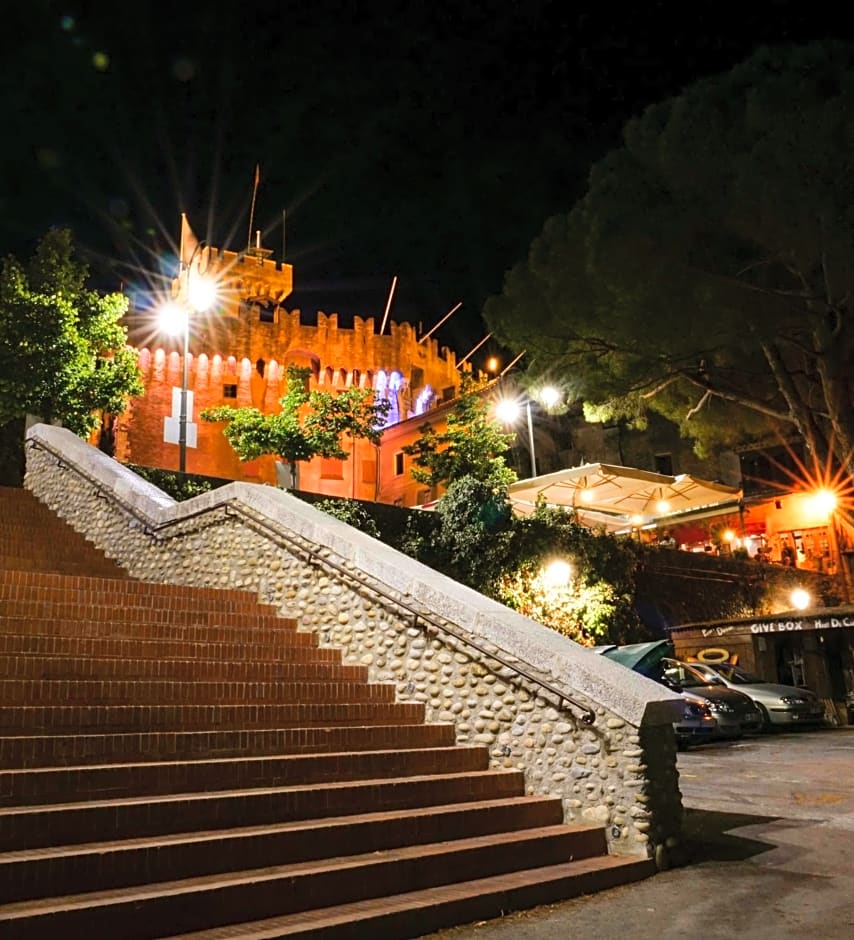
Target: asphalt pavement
768,854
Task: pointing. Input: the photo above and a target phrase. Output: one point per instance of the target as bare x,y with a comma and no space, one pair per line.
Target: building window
398,464
369,471
266,313
229,391
331,468
664,464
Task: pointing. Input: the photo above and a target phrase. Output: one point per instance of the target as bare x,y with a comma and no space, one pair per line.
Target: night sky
428,140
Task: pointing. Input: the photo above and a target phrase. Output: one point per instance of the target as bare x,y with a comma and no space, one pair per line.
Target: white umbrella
624,495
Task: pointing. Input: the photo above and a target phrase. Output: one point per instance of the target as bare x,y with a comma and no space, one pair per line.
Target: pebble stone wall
614,772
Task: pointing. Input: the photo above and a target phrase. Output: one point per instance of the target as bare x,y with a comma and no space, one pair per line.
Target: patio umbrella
623,494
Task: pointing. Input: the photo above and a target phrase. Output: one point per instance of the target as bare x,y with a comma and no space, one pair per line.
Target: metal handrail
290,542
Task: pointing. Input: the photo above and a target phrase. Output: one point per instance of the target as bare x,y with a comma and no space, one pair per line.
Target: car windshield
682,676
737,676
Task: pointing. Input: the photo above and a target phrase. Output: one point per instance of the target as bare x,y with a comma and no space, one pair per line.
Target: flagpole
513,363
474,349
429,333
252,209
388,303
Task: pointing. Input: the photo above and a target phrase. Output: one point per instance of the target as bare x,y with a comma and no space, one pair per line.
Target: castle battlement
238,354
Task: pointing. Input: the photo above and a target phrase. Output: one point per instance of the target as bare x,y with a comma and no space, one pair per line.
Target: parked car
697,723
711,711
735,713
782,706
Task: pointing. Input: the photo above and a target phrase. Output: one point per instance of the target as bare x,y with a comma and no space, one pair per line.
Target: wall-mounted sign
805,623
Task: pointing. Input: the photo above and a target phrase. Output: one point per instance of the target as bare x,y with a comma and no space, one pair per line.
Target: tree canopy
310,423
708,272
63,350
472,445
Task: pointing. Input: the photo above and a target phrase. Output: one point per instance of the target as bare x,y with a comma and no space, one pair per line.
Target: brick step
415,914
147,911
25,875
278,648
47,530
30,719
228,598
57,750
73,564
40,826
188,670
116,608
116,781
280,631
46,586
97,692
30,541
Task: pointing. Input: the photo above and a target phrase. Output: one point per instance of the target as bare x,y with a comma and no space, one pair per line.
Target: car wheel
767,726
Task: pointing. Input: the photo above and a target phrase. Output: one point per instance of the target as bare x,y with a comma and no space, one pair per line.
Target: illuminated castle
238,354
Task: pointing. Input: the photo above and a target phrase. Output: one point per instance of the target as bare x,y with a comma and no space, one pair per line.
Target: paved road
769,846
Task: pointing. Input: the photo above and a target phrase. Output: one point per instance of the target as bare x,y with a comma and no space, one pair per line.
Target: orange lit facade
238,356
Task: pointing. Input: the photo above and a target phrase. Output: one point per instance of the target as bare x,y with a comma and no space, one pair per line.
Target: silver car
781,705
734,712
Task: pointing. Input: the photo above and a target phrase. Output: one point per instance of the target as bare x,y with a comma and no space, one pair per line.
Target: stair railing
287,540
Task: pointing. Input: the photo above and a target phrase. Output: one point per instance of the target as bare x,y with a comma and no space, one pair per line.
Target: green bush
352,512
179,486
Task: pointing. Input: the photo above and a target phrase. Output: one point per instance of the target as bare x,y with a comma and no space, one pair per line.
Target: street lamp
507,410
825,502
199,295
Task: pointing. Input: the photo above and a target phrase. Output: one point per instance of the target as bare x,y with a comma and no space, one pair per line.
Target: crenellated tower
239,351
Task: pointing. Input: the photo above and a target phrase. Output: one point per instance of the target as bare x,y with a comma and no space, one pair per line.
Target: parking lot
768,853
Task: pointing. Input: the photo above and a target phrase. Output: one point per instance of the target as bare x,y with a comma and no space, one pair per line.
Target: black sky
429,140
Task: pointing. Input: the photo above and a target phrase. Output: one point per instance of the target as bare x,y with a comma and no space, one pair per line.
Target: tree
472,445
352,512
596,603
310,423
474,537
707,273
63,350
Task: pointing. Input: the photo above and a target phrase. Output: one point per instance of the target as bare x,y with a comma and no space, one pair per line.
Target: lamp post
507,411
200,294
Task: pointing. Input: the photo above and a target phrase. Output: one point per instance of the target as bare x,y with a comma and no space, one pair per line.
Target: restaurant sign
805,623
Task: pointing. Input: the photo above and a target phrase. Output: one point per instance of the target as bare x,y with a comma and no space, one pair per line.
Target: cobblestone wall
438,642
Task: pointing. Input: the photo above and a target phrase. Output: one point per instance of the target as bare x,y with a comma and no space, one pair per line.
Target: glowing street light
557,574
825,502
507,410
200,295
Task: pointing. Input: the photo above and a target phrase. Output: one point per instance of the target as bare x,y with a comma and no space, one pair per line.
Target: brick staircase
182,762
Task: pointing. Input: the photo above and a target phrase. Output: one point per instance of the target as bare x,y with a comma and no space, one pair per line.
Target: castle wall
250,327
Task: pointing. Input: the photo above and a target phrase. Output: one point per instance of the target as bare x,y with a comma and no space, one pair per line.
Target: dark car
736,714
711,712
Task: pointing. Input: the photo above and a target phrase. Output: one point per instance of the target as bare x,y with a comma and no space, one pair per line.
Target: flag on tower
189,242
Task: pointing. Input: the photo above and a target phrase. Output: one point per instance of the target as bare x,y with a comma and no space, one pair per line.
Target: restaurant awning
621,496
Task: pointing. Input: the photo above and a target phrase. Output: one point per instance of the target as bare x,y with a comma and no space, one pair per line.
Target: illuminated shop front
807,648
